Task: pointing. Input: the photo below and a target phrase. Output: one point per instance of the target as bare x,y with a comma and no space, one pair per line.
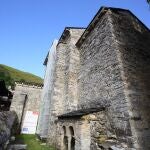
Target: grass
32,142
10,75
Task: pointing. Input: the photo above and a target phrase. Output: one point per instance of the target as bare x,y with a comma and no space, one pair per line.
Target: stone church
99,88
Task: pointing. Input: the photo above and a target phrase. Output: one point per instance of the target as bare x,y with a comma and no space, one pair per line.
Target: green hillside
10,75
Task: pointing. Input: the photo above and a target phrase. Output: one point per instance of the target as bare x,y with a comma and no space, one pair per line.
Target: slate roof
80,112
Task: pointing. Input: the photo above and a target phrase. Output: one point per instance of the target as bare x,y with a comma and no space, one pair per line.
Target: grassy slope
10,75
32,142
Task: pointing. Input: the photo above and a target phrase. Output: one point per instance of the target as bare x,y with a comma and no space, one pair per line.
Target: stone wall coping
26,85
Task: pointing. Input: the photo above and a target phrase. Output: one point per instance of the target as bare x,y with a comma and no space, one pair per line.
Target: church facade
99,96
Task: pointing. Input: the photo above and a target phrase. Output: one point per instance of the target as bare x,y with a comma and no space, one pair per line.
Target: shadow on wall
72,142
5,97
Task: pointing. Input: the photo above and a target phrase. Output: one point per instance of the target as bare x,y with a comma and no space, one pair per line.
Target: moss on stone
102,139
89,117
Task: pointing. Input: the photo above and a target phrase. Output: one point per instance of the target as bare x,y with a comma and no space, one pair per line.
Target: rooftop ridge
98,15
66,29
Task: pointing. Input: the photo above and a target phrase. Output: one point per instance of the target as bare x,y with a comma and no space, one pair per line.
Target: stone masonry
43,121
64,95
26,98
100,96
114,66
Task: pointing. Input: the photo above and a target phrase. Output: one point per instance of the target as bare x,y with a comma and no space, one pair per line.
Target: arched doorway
65,139
72,142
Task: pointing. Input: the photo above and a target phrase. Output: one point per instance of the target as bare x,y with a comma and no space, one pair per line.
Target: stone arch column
64,144
71,139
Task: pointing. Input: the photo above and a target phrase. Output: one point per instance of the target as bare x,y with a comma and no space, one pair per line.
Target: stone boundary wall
26,98
27,85
8,127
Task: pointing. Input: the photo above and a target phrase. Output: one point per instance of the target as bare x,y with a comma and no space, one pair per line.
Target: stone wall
90,132
71,71
100,80
68,130
57,97
132,40
114,59
8,127
100,130
43,121
103,137
109,70
64,95
26,98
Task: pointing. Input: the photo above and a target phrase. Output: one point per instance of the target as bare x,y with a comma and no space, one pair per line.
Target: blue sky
28,27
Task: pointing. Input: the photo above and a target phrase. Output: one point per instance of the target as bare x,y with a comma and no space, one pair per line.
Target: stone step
17,147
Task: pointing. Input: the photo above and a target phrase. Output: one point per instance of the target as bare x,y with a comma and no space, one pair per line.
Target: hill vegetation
11,75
